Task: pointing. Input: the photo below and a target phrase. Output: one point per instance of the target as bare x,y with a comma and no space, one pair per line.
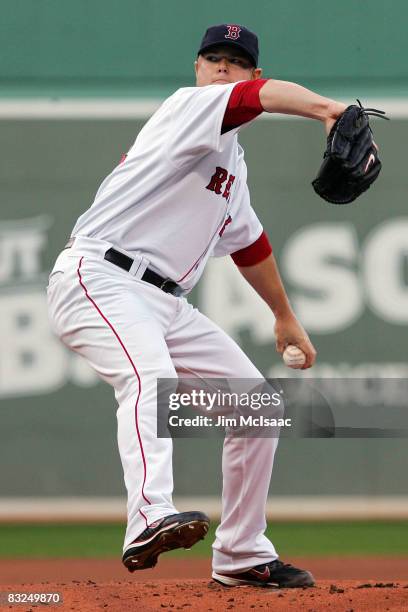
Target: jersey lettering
233,32
228,186
226,222
218,178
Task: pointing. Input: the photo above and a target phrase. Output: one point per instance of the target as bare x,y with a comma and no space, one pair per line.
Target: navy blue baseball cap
232,34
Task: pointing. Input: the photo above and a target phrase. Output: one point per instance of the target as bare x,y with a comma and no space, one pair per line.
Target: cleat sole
180,536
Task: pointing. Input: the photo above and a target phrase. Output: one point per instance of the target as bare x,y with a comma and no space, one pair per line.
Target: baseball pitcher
117,295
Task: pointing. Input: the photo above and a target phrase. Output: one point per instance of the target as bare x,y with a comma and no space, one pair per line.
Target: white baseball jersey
180,195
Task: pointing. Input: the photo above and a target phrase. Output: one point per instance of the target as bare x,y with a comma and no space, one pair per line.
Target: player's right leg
242,554
117,325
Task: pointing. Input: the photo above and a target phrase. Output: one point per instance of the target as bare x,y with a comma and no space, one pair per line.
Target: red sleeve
254,253
243,104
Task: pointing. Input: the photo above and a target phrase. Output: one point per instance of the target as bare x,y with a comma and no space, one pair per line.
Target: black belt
123,261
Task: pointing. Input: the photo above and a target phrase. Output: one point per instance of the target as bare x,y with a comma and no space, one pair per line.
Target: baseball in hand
293,357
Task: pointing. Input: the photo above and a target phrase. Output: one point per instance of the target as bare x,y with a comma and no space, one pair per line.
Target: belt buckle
169,286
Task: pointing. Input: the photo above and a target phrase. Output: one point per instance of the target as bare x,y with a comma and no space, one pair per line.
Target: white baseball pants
132,333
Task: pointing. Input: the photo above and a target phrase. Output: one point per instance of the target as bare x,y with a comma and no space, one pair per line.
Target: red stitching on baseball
135,371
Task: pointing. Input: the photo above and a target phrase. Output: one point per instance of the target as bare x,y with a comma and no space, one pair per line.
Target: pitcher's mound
206,596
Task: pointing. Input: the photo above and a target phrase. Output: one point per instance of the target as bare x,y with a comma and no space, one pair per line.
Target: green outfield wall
345,269
131,47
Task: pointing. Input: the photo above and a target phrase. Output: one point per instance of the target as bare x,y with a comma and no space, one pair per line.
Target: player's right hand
288,330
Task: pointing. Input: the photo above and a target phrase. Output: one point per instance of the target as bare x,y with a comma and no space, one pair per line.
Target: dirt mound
207,596
13,571
89,585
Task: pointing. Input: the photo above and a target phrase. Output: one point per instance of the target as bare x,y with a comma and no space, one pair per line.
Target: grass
290,539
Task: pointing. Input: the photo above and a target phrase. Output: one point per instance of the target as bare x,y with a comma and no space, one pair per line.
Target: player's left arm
250,98
259,268
293,99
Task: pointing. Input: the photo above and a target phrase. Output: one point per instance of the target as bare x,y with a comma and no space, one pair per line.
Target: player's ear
257,73
195,66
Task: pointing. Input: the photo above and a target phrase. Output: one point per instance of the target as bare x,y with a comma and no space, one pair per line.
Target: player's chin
221,82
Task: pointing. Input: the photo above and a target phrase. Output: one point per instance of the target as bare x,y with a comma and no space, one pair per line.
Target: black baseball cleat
273,574
180,530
